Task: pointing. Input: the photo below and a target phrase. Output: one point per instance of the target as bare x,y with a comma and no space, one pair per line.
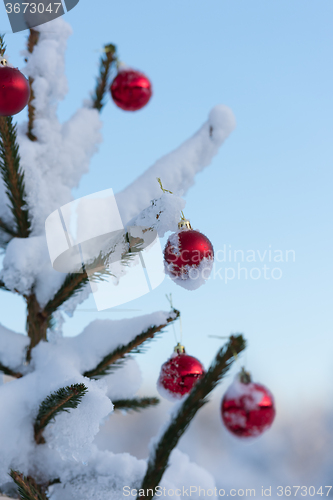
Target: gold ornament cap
179,349
184,224
3,61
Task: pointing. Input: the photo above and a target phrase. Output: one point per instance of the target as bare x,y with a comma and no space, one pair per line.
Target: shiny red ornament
187,249
131,90
179,374
14,91
247,408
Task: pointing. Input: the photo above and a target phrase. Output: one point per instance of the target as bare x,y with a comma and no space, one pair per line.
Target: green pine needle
106,64
135,404
12,175
116,358
2,45
63,399
27,487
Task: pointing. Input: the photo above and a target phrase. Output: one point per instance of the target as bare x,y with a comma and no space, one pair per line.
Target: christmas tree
61,388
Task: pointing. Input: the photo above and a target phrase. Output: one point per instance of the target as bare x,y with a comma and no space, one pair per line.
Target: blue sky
269,187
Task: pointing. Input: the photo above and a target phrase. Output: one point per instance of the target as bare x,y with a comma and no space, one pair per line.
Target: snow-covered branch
116,356
178,168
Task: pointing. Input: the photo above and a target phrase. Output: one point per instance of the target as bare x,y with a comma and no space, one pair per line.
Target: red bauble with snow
189,256
179,374
14,91
131,90
247,408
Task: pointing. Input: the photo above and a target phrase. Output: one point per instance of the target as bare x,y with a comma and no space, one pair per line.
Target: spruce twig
106,63
115,358
31,43
12,175
73,283
28,489
158,461
2,45
61,400
8,371
3,286
135,404
97,270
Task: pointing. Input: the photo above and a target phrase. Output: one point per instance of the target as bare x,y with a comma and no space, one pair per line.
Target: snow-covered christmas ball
188,256
131,90
179,374
14,90
247,408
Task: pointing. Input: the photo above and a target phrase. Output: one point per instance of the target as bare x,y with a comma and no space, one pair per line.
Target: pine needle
12,175
27,487
63,399
116,358
135,404
106,63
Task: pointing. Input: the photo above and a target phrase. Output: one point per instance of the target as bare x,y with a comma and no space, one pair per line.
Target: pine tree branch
10,231
63,399
73,283
106,63
12,175
158,461
37,323
115,358
135,404
95,270
8,371
2,45
3,286
28,489
31,43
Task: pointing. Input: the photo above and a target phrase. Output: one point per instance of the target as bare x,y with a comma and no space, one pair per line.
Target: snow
168,395
237,389
193,277
12,348
162,215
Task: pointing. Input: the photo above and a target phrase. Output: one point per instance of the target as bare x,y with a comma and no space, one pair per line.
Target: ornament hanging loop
3,61
161,186
183,223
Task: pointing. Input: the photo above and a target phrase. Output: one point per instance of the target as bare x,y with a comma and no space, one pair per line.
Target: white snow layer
178,168
12,348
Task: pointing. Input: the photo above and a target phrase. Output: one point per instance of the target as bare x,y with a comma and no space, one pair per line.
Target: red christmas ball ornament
179,374
14,90
131,90
188,256
247,408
